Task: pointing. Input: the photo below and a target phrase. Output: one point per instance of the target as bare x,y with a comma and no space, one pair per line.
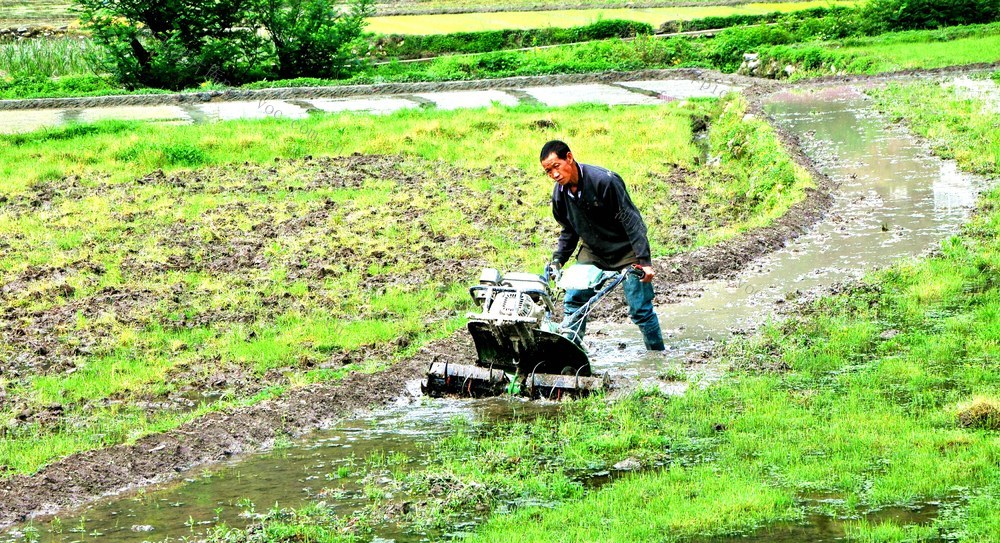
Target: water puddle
630,93
326,466
14,122
895,201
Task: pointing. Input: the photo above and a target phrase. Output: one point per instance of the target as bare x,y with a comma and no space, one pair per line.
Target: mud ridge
216,437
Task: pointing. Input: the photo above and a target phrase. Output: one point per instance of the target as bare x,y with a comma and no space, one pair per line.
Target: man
593,207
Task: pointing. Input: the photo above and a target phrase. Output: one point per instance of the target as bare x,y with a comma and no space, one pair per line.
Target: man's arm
630,219
568,238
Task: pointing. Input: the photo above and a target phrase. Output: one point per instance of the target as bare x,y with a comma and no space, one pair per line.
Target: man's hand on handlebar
552,271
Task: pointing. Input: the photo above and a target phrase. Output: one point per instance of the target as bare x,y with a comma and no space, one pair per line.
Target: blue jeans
638,296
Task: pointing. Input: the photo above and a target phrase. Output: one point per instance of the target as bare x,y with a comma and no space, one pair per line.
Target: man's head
558,163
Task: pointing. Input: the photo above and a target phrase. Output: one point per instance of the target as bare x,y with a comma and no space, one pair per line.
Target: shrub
727,49
37,86
612,28
728,21
174,43
980,413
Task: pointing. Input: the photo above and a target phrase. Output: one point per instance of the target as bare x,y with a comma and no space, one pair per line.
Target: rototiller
521,350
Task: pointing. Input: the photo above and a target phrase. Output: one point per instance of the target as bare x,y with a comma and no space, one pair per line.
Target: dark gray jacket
603,216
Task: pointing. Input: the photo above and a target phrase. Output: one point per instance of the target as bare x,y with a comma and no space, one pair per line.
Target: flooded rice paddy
895,201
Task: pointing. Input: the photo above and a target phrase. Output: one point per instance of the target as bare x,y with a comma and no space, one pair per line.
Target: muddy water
895,202
324,467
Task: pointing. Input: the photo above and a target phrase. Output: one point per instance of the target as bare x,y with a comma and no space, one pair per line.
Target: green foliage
893,51
727,49
173,44
407,46
891,15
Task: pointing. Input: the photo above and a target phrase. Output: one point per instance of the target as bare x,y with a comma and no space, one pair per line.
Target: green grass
870,418
46,12
911,50
49,57
143,259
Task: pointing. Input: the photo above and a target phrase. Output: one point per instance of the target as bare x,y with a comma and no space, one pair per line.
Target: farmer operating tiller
521,350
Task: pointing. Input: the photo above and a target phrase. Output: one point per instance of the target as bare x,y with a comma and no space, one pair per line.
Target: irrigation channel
895,201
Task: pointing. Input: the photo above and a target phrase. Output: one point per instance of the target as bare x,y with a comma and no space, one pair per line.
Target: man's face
561,170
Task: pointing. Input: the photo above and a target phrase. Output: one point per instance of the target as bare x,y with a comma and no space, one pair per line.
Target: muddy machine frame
521,351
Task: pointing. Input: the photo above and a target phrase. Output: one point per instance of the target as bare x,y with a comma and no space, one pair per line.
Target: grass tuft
980,413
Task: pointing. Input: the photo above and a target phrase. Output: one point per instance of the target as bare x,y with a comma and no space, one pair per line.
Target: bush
37,86
612,28
729,21
890,15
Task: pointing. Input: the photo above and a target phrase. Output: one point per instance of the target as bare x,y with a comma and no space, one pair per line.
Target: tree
312,38
177,44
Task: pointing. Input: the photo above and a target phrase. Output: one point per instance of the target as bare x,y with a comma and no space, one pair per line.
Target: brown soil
85,476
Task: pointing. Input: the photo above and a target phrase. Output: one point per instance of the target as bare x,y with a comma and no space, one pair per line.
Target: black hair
554,146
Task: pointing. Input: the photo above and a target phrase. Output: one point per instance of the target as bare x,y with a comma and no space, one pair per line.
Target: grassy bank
149,267
887,394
